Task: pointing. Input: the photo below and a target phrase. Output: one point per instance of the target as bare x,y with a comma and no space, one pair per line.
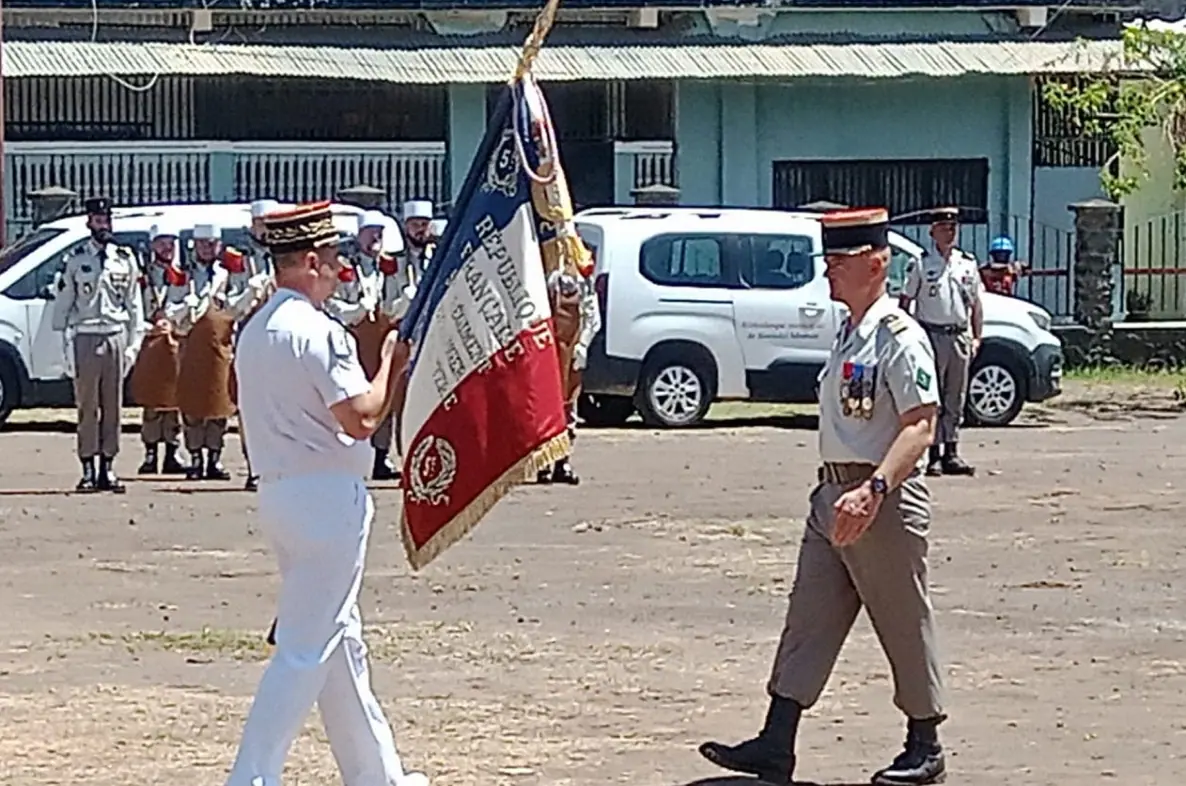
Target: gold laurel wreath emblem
434,466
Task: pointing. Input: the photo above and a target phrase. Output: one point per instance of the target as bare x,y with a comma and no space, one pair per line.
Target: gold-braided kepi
847,232
303,228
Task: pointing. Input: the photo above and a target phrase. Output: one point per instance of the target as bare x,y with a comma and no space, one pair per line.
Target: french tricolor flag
484,408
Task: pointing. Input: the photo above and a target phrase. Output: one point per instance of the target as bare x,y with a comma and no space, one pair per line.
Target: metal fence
1048,251
1153,282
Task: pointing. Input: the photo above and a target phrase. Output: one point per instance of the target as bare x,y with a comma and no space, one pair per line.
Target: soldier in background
261,258
418,236
260,262
100,314
204,382
154,377
355,303
246,290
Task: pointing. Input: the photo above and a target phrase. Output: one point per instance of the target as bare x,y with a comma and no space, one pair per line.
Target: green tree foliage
1144,90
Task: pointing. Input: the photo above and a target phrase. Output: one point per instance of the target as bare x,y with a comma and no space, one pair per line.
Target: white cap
346,223
261,207
372,218
206,232
438,227
163,229
418,208
393,238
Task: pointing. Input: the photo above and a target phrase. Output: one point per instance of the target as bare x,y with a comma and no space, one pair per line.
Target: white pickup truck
701,305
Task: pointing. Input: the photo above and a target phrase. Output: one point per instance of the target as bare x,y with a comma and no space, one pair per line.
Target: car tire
676,391
10,388
996,389
605,411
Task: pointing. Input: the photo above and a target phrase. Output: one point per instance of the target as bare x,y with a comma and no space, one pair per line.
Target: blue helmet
1001,244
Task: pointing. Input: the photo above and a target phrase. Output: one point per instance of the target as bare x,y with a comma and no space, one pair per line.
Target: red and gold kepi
302,228
855,231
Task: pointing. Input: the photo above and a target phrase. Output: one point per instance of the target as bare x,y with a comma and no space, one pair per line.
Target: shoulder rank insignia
894,323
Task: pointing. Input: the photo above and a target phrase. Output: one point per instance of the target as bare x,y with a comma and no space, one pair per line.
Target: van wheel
996,390
10,389
675,393
605,411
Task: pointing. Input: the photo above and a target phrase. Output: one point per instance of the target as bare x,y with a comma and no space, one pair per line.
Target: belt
99,330
946,330
845,472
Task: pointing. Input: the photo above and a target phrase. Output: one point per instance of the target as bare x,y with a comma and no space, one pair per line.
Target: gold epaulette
895,323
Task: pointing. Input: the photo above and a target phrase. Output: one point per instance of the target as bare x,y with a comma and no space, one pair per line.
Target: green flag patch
923,379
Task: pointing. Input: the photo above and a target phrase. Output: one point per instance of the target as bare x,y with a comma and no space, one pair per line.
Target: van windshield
25,245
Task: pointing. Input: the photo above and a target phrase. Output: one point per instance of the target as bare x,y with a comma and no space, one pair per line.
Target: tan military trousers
160,425
886,572
98,392
208,433
953,357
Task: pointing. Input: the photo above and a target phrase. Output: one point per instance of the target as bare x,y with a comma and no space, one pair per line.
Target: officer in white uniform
99,311
865,543
945,289
309,410
418,235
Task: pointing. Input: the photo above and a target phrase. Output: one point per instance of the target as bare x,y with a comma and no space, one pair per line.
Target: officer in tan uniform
865,543
945,289
99,312
154,377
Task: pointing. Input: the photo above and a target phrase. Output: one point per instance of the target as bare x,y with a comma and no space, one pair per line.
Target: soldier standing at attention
204,382
418,234
309,409
261,259
154,377
945,289
98,309
865,542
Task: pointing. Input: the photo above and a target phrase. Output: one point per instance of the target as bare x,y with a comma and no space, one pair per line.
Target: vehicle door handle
811,311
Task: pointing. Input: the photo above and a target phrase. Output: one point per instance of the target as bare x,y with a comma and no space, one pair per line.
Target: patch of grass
1127,376
744,410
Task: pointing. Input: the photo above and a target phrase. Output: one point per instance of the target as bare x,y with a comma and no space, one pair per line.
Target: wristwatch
879,485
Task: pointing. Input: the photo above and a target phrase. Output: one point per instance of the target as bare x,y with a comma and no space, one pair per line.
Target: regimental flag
484,408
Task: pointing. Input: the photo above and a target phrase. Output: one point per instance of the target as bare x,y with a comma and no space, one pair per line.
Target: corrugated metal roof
562,63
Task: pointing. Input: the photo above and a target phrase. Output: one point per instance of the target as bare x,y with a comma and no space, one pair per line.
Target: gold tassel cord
535,41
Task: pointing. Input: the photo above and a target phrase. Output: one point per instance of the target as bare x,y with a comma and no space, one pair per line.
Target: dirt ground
598,634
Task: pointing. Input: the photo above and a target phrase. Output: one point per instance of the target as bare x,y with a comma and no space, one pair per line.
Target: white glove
258,283
192,300
130,355
580,356
368,302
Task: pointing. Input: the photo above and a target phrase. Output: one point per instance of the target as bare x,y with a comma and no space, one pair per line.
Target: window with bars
1059,137
603,111
902,186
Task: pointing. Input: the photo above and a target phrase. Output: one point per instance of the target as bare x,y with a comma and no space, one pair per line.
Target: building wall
729,135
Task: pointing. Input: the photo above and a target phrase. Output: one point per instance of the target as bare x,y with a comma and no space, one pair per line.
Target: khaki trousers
886,572
208,433
160,425
953,356
98,392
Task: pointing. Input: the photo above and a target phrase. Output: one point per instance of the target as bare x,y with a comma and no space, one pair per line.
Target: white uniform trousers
318,526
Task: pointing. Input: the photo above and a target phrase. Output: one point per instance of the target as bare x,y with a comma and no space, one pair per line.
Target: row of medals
858,402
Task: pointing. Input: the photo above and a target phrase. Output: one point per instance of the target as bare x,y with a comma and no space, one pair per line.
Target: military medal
870,380
845,386
854,390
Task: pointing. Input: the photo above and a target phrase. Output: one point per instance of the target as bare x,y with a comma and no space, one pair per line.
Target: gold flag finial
535,41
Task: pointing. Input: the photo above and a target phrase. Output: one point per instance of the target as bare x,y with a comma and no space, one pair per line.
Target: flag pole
535,41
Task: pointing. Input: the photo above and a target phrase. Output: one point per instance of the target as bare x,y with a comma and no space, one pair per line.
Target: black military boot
564,473
252,483
149,467
171,465
544,476
921,762
954,465
770,755
382,469
197,469
88,483
108,480
934,462
214,468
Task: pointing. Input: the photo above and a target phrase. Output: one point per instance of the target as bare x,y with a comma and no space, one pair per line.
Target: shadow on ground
739,780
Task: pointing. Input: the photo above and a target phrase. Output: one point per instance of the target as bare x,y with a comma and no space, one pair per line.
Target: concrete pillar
656,195
1098,228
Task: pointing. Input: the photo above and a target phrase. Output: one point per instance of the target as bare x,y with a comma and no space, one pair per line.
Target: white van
33,370
702,305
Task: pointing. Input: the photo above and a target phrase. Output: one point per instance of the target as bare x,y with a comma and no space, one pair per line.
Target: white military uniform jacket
880,368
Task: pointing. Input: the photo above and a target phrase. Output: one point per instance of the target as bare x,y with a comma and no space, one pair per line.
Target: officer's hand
855,511
396,351
975,346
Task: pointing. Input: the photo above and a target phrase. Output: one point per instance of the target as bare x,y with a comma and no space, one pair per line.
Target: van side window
896,276
684,261
779,262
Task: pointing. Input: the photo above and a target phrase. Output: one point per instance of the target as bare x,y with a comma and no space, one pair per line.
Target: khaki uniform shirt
161,297
353,301
943,291
878,370
205,287
99,293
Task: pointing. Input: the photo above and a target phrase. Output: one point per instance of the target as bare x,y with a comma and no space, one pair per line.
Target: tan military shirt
880,368
943,291
358,293
99,293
